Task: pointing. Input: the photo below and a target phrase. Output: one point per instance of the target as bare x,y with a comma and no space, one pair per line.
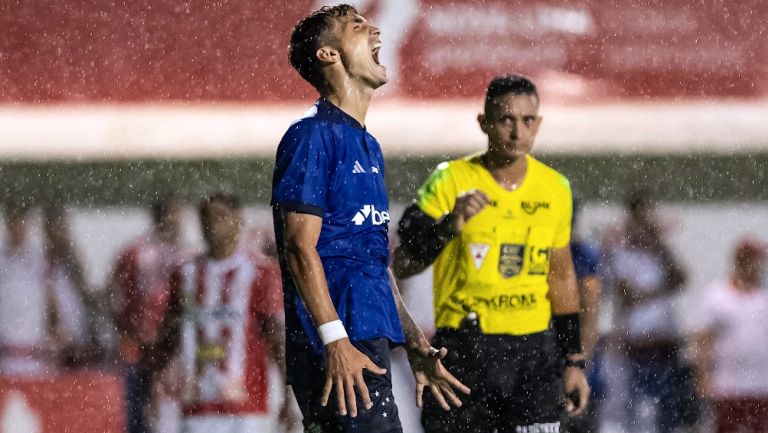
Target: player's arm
425,359
565,301
273,329
590,288
123,289
267,310
422,238
345,365
156,357
704,361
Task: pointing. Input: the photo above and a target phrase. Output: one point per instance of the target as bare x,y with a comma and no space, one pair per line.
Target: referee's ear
482,120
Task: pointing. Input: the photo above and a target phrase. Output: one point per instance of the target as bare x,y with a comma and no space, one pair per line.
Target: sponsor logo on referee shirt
369,211
530,207
542,427
522,301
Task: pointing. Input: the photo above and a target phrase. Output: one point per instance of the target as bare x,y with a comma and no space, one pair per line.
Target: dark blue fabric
328,165
663,381
585,259
138,390
381,418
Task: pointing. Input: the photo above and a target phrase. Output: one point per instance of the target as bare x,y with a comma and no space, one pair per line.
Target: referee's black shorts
516,384
308,379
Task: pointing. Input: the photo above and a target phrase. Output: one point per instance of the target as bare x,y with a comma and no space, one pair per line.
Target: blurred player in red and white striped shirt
139,297
225,320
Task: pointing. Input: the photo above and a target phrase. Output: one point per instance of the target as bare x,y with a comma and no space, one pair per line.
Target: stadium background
104,105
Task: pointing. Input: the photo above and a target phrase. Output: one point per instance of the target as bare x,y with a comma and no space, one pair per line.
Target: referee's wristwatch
579,362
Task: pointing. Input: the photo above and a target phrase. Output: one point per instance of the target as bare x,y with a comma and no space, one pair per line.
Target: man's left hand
429,372
575,384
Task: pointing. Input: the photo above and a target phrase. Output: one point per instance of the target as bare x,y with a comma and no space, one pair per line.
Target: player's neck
509,173
353,100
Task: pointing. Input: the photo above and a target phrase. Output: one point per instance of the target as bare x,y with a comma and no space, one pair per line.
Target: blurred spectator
27,309
647,278
585,261
139,294
77,309
732,344
228,328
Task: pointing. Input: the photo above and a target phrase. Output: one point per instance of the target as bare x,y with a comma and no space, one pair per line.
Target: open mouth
375,53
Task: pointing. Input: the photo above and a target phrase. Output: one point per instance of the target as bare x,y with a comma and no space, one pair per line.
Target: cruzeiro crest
511,259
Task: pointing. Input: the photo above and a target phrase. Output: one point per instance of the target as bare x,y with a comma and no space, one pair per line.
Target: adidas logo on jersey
358,168
377,217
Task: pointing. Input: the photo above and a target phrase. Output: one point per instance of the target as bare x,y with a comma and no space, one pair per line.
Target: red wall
81,402
235,50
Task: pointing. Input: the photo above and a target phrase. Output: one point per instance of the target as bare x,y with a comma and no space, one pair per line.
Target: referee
497,227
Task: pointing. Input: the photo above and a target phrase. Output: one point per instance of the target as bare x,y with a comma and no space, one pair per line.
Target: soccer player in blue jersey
331,215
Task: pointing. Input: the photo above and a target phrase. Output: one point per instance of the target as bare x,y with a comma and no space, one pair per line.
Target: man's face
169,226
358,43
511,123
16,229
223,225
751,269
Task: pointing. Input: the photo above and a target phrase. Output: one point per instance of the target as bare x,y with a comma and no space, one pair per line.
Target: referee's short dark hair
509,84
307,37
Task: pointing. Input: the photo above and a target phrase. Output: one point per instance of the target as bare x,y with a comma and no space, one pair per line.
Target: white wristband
332,331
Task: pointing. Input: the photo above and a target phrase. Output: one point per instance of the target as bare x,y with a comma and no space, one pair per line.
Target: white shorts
229,424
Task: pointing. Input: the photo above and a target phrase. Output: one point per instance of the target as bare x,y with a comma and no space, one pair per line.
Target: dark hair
18,209
638,200
306,39
230,201
514,84
162,207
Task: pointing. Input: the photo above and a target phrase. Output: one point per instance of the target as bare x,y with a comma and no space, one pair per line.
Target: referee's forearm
563,288
565,296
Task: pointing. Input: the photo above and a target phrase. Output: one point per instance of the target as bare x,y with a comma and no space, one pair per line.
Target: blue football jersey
328,165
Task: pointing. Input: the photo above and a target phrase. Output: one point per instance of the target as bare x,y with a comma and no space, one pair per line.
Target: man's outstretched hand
345,373
429,372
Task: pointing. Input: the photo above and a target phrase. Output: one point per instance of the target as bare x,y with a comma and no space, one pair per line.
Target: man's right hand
467,206
345,372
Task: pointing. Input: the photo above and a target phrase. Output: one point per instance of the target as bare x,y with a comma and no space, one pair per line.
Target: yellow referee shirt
498,265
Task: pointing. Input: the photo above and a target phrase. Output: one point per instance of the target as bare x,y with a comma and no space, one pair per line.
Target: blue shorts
308,379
